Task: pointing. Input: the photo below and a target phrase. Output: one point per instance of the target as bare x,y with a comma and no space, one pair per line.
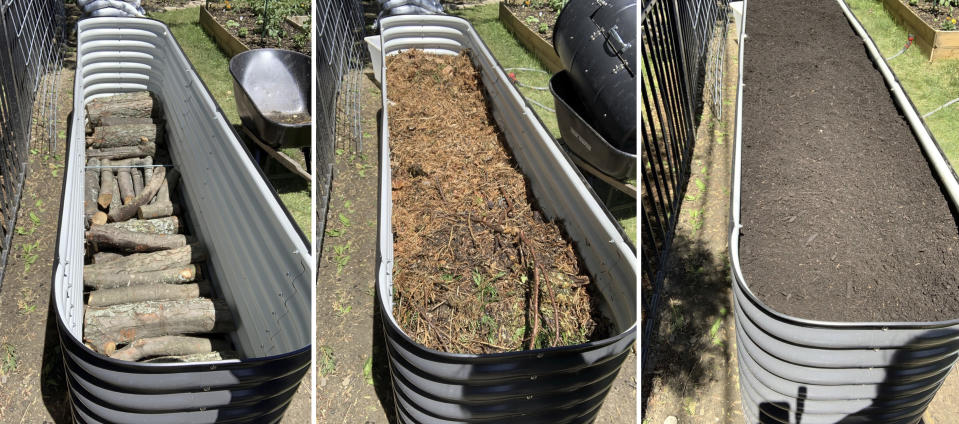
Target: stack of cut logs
148,301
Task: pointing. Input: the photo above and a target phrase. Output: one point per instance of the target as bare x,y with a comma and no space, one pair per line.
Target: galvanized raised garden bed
555,385
800,370
259,260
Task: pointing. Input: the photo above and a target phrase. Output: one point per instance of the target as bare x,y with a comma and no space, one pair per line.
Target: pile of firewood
148,301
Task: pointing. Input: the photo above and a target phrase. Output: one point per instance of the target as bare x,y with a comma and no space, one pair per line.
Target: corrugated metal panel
796,370
259,257
557,385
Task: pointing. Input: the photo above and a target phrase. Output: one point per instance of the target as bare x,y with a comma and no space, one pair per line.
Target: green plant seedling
368,371
327,361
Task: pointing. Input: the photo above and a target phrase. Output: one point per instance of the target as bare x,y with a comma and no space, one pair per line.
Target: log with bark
133,294
125,183
147,163
91,189
127,211
109,121
199,357
165,225
137,105
112,237
161,205
104,257
125,323
123,152
108,185
114,278
167,346
137,174
154,261
124,135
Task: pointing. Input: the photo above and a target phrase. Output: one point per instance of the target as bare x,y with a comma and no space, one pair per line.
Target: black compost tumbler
596,42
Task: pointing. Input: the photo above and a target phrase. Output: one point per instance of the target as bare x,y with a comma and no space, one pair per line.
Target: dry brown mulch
470,247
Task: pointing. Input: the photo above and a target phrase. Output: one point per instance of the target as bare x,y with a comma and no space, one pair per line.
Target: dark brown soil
243,25
938,17
477,268
842,217
534,15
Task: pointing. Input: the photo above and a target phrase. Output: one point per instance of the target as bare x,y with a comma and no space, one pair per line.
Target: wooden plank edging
539,47
935,44
230,44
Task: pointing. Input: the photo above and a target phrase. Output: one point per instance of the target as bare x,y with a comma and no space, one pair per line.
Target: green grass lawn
929,84
213,66
511,54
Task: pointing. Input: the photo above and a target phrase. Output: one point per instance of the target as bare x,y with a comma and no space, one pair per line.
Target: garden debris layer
470,246
842,217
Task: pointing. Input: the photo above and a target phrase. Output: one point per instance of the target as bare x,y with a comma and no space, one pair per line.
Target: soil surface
535,16
843,219
938,17
243,25
478,269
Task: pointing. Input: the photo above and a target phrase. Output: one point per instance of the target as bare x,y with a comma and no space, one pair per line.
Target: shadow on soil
382,383
687,346
53,377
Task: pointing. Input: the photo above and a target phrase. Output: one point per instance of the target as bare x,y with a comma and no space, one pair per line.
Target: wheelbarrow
272,92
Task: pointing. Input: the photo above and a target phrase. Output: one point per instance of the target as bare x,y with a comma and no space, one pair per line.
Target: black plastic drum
596,42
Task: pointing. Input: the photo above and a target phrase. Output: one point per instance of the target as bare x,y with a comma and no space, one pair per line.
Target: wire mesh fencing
340,56
31,53
682,55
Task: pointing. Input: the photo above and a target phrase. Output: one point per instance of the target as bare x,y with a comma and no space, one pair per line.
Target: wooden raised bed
542,49
230,44
936,44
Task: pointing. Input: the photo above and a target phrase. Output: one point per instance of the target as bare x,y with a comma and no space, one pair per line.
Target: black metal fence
340,55
30,55
676,38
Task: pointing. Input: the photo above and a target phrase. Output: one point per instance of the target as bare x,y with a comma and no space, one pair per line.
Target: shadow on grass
686,349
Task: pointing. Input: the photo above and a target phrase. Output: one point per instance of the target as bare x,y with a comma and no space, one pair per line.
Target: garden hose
940,107
514,80
903,50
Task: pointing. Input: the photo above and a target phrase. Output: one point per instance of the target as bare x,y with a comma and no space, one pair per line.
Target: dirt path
32,384
352,377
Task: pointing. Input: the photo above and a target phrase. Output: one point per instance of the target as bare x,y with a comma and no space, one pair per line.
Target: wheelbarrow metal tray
794,369
259,260
555,385
268,83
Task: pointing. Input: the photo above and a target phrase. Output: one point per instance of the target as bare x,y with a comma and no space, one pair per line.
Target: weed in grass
327,361
368,371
